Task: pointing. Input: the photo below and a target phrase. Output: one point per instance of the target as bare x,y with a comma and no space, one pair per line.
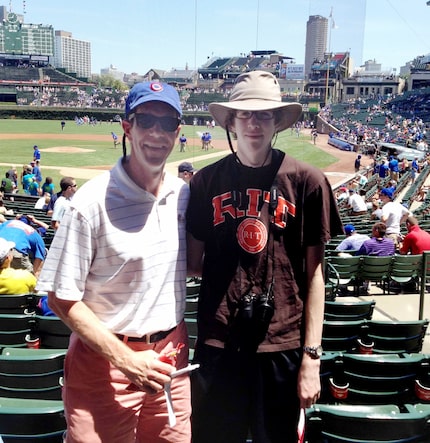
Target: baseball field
83,151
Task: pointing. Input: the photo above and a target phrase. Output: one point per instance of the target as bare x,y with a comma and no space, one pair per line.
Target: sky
139,35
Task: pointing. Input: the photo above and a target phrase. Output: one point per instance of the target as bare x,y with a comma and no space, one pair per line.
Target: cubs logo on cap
156,87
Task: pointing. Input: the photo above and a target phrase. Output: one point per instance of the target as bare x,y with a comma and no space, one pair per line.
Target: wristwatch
313,351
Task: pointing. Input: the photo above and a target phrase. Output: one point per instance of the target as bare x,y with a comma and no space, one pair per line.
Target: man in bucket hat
257,223
115,274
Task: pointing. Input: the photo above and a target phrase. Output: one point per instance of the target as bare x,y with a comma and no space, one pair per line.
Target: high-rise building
72,55
316,40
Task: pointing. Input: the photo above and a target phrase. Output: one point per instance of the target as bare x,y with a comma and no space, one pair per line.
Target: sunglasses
259,115
146,121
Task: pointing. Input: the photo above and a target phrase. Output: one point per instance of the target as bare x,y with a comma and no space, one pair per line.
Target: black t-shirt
245,247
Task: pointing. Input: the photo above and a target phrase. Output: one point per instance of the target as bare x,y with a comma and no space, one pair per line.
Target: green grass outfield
99,152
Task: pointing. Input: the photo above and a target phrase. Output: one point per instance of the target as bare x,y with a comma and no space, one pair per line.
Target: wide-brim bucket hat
256,91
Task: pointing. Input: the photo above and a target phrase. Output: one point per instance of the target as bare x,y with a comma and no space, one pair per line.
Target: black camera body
256,312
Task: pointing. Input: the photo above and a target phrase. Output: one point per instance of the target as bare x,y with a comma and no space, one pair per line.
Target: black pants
235,395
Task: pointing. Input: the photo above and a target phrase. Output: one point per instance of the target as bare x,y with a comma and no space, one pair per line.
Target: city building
72,55
18,38
114,72
316,41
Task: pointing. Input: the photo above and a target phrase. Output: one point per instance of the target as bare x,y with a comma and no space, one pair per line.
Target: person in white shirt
68,188
116,275
356,203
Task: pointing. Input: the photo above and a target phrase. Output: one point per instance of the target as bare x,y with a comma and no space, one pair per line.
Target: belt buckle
148,339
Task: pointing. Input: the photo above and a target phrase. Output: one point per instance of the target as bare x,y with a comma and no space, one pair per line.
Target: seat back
375,268
51,331
32,373
347,268
13,330
341,335
380,379
16,304
405,268
31,420
366,424
346,311
396,336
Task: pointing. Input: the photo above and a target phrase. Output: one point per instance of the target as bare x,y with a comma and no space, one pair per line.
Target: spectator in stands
27,179
40,226
393,215
186,171
7,185
36,153
343,194
13,175
43,202
48,186
115,274
416,241
383,171
36,171
68,188
226,221
29,252
34,188
356,203
393,165
353,240
378,244
13,281
376,210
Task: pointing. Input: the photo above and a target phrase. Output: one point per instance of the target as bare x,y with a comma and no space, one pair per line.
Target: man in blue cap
394,214
115,274
352,241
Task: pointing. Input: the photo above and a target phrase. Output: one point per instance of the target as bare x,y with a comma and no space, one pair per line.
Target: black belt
148,338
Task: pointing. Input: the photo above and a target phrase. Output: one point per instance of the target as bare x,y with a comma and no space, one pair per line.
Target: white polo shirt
122,251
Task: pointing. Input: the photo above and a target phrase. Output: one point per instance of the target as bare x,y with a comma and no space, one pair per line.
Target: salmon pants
100,408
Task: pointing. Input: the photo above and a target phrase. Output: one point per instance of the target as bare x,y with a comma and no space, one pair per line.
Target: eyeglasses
146,121
259,115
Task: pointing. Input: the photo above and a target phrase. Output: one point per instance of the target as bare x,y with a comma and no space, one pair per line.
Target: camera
256,310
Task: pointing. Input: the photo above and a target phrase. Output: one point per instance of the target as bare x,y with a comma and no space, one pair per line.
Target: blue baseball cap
152,91
387,192
349,229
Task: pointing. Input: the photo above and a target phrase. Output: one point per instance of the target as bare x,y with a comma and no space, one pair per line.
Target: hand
146,372
308,382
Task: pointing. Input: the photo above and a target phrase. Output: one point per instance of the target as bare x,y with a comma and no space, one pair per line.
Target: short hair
381,228
65,182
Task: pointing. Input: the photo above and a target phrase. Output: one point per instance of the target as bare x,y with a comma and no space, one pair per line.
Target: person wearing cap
257,223
116,275
13,281
182,143
393,215
353,239
29,252
36,153
186,171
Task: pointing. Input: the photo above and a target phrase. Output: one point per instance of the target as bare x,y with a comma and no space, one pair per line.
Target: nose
253,120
